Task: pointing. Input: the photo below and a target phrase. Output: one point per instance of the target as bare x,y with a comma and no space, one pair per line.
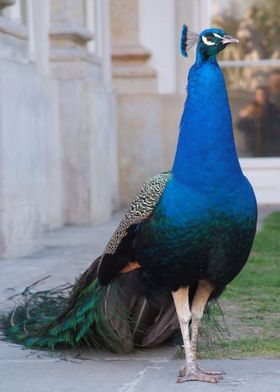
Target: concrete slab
151,371
64,254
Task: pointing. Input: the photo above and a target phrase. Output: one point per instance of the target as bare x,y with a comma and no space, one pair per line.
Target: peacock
186,235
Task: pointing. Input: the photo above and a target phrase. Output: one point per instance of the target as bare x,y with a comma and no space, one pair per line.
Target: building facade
58,143
91,93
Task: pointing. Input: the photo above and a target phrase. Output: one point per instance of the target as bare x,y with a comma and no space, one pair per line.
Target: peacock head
213,41
209,42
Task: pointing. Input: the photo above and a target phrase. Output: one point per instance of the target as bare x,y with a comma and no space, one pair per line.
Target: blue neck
206,150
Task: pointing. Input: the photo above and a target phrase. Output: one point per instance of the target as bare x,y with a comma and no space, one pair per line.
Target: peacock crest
188,40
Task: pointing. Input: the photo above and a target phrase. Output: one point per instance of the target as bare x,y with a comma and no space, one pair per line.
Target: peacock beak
227,39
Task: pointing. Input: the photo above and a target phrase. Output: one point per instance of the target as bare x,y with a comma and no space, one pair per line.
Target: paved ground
64,254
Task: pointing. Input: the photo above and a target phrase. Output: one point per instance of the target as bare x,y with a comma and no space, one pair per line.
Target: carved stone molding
131,71
68,41
13,29
130,53
130,61
13,36
67,31
6,3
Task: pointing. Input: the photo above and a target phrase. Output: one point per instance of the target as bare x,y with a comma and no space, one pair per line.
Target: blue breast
205,222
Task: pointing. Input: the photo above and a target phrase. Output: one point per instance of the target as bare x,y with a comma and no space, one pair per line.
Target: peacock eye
208,40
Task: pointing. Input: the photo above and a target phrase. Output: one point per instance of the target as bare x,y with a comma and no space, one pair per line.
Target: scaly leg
191,372
181,300
202,294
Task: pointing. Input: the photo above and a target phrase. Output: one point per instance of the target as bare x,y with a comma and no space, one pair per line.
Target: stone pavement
64,254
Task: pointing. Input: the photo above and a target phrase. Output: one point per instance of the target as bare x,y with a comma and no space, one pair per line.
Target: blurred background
91,93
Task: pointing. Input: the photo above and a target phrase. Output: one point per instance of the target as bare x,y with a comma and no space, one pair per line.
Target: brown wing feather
140,209
119,251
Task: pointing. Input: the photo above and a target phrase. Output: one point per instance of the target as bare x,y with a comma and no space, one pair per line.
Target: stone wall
30,157
58,155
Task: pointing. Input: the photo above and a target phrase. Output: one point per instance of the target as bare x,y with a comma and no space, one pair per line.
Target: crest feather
188,39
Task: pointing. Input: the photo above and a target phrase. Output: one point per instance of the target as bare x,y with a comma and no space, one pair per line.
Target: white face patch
206,42
217,35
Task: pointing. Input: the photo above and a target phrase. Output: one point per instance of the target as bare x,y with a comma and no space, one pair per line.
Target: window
252,71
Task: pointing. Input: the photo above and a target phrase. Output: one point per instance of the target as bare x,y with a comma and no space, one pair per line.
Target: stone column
68,35
131,73
138,105
13,38
29,174
85,110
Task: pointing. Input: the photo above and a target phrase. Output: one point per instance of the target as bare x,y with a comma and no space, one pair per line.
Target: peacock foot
197,374
213,373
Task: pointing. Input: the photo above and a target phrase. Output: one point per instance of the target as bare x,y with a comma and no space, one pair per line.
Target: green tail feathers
117,317
47,319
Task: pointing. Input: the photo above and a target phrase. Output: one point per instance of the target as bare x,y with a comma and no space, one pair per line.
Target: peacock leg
181,300
204,289
191,372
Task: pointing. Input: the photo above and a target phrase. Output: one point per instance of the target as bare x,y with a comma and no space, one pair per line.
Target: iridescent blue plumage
203,227
204,224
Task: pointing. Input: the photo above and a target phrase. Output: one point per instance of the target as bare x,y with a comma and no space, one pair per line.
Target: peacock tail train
117,317
47,320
